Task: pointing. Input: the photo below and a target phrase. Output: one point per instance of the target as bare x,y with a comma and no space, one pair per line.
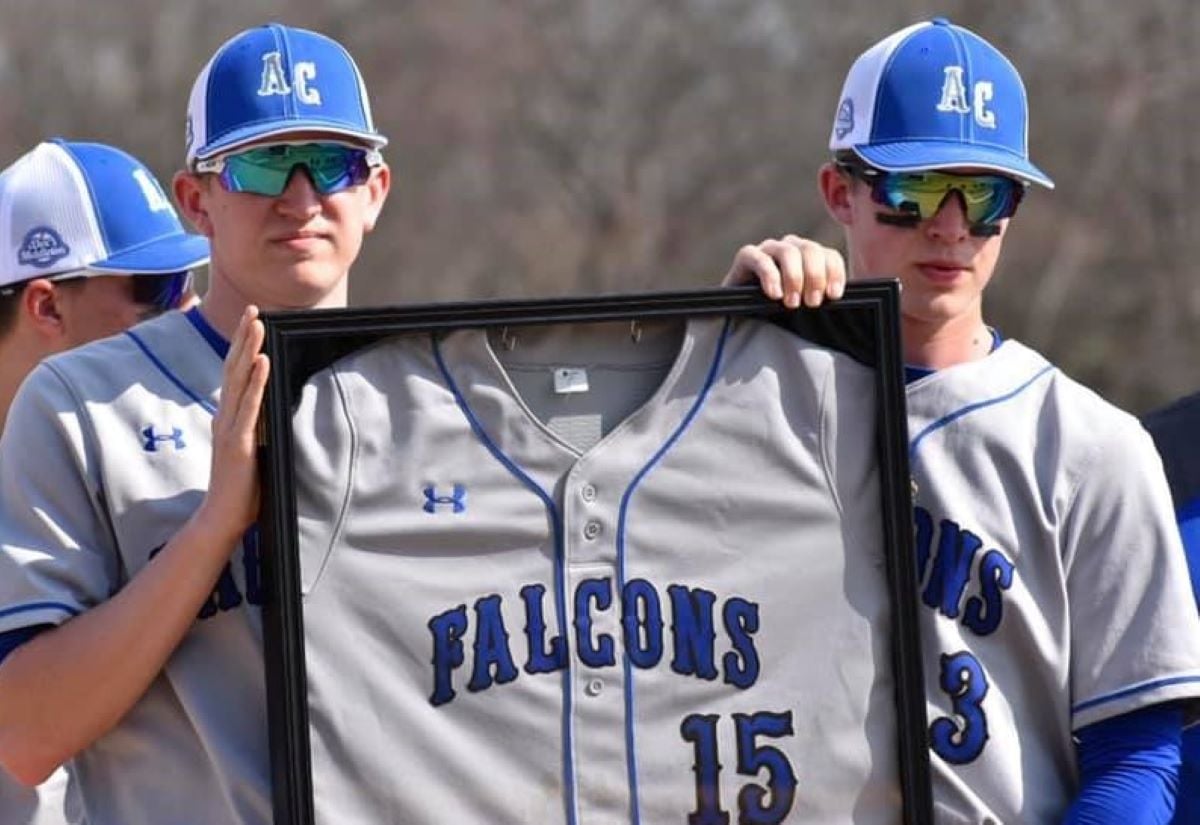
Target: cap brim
914,155
170,253
254,134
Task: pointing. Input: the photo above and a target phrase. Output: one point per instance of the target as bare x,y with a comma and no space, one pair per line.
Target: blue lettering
960,739
448,629
252,566
923,523
602,652
701,731
754,757
741,623
491,646
951,568
541,660
692,627
225,595
641,616
984,612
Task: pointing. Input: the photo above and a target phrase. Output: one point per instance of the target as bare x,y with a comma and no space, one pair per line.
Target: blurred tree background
547,147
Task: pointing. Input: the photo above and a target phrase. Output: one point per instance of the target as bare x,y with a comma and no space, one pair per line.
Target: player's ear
377,188
835,189
40,303
191,195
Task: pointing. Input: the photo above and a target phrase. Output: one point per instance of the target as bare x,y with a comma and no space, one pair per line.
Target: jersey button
591,530
594,687
587,492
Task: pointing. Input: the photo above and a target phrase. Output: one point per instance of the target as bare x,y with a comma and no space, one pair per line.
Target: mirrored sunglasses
988,199
266,170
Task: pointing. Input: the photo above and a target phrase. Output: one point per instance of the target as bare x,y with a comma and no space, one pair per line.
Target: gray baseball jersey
1053,587
47,804
679,615
105,455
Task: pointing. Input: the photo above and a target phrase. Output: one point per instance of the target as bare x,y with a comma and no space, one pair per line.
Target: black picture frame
863,324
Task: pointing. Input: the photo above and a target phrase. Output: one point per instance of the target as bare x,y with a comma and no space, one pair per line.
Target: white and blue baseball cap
275,80
936,96
88,208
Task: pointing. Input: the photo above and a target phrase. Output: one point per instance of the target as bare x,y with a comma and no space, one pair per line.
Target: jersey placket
590,499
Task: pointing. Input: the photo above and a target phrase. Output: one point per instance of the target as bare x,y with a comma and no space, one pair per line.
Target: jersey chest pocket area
448,523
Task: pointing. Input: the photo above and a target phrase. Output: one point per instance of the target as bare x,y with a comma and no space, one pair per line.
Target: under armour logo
41,247
456,500
153,439
844,123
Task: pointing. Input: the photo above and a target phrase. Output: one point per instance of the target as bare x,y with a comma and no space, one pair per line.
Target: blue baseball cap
88,208
272,81
936,96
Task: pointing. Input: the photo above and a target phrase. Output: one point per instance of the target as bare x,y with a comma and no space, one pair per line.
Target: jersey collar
214,338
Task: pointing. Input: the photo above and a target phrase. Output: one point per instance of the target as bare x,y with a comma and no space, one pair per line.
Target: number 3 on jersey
752,757
961,739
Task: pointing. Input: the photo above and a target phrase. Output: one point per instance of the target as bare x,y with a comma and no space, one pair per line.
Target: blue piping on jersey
26,608
1121,694
204,403
560,599
970,408
631,761
215,339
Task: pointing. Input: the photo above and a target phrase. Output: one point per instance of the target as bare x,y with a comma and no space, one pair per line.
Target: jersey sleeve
323,453
1135,634
57,553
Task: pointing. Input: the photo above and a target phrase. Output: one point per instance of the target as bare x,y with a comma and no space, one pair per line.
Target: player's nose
300,196
950,222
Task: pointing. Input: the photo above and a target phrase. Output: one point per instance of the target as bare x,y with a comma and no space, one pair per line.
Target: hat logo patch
275,79
954,97
844,123
41,247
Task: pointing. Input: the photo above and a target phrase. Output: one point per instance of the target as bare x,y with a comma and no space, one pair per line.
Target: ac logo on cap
275,82
954,97
41,247
155,199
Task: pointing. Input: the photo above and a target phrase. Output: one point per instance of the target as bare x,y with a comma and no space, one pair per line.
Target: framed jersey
630,558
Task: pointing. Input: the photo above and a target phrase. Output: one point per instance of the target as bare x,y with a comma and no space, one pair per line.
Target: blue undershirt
1129,768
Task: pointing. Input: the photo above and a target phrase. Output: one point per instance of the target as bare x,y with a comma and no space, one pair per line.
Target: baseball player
643,562
1173,429
129,582
1062,646
91,245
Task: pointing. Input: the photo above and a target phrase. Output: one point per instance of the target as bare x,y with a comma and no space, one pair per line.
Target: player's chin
308,284
936,305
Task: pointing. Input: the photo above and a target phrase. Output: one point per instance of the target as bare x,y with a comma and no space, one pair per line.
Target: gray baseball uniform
105,455
514,613
50,803
1053,584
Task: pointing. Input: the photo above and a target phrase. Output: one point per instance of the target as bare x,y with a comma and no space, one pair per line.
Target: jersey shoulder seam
348,490
827,415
